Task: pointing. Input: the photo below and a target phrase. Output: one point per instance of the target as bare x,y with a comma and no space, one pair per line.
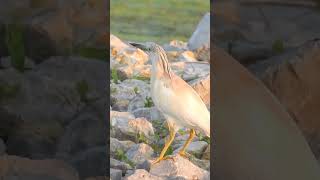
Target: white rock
182,138
150,113
179,167
119,165
115,174
141,174
187,56
115,42
130,56
202,87
203,164
139,153
122,94
191,70
196,148
201,36
116,145
175,45
131,127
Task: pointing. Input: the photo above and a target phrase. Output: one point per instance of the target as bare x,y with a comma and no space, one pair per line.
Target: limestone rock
123,93
139,153
175,45
116,43
130,128
196,148
116,145
130,56
202,87
115,174
201,163
179,167
187,56
144,175
124,167
201,36
206,154
150,113
191,70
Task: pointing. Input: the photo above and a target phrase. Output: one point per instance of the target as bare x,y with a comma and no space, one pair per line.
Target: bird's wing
184,104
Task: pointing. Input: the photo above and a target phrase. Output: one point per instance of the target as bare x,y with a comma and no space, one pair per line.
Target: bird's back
179,100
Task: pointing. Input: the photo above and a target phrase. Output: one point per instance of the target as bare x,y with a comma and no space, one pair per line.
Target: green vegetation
120,155
82,88
8,91
136,90
141,78
161,133
182,132
114,76
159,21
113,90
169,151
278,46
141,138
15,45
148,102
204,138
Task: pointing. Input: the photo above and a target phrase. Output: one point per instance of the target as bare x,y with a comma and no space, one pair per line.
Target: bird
180,104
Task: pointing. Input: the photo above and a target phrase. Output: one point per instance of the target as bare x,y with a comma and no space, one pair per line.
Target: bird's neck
160,67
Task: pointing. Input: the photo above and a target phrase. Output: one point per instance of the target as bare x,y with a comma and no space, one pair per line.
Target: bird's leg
172,134
191,136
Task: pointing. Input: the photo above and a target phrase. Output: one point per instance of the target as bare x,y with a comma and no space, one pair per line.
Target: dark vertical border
212,78
107,37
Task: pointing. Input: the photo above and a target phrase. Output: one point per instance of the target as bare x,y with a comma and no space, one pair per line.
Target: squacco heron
180,104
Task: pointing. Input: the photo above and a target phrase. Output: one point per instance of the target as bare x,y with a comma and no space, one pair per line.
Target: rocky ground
55,110
278,42
52,115
137,128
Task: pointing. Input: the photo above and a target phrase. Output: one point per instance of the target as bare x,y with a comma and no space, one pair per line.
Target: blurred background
137,128
158,21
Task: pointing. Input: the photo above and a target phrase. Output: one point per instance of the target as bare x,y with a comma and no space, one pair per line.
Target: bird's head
156,54
148,47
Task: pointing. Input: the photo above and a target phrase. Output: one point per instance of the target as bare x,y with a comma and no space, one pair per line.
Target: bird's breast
160,93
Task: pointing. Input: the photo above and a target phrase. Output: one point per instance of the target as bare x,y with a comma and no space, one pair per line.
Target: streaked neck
160,65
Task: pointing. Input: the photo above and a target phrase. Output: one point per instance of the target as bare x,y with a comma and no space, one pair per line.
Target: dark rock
91,162
17,168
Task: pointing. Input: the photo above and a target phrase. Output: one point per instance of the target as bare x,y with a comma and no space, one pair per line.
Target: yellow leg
172,134
191,136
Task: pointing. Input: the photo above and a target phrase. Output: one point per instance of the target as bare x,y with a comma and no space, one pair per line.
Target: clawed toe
183,154
161,159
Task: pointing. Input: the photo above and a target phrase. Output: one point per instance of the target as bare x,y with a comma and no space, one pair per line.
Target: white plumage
176,99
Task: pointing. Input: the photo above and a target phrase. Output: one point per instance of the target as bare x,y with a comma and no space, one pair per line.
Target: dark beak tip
137,45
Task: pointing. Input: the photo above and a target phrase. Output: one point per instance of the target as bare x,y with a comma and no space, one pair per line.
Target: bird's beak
138,45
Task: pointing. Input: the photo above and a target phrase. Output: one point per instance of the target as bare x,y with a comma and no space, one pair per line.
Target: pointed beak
138,45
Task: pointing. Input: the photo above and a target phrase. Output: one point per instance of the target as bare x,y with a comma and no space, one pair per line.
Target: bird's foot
184,154
161,159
